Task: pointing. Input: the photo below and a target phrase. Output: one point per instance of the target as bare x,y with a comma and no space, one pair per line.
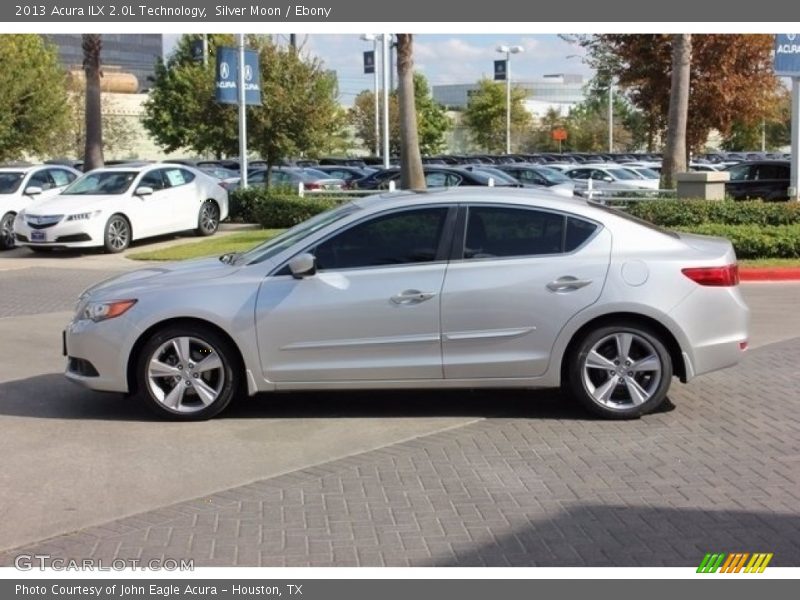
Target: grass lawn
214,246
770,262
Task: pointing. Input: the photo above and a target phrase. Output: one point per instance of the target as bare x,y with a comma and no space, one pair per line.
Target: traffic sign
559,134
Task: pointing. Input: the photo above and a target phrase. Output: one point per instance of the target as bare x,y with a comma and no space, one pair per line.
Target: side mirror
143,191
33,190
303,265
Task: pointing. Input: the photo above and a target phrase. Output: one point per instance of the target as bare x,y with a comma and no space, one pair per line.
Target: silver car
465,288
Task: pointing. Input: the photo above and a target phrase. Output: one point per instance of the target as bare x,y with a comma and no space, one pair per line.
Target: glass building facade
133,53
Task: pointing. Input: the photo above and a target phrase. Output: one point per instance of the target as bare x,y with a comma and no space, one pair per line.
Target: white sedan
20,186
112,207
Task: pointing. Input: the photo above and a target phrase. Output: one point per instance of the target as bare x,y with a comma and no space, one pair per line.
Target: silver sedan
449,289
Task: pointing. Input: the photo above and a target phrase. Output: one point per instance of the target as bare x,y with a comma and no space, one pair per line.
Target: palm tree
411,174
675,150
93,154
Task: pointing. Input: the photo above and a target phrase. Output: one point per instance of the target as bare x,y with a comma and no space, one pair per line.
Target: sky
443,59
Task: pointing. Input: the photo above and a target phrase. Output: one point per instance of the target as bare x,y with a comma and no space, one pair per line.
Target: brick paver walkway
720,472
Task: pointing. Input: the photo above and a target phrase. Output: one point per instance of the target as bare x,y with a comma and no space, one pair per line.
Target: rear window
623,215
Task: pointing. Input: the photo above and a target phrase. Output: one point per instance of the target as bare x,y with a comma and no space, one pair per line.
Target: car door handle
412,297
567,284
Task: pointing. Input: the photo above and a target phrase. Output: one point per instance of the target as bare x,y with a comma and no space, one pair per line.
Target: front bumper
66,234
97,353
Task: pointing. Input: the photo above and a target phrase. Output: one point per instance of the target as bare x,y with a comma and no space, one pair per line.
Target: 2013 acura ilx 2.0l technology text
112,207
458,288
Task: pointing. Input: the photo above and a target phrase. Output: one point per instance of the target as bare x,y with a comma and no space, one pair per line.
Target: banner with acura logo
227,82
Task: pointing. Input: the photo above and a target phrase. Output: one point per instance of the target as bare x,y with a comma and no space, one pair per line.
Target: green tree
33,98
299,114
432,120
775,129
299,110
181,110
485,115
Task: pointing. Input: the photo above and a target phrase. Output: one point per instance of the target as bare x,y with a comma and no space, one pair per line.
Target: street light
371,37
508,51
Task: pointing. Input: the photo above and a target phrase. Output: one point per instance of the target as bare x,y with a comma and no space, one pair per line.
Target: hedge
274,209
755,241
688,213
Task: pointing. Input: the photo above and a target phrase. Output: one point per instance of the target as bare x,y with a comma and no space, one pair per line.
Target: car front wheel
117,234
7,231
619,371
208,219
187,373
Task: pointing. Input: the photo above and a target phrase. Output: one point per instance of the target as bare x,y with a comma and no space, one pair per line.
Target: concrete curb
769,273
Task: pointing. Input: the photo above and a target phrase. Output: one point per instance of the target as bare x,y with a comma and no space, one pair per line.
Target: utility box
706,185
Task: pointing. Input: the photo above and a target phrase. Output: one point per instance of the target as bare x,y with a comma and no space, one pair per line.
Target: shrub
687,213
756,241
273,211
276,207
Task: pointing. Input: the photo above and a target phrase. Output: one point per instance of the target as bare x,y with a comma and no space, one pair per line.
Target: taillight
312,186
714,276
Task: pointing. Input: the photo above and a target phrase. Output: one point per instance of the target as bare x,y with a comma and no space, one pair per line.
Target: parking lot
402,478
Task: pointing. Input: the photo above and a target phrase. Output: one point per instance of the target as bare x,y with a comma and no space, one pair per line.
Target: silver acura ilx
448,289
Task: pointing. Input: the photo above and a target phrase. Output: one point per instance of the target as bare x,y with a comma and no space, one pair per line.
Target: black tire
208,219
225,380
606,384
7,231
117,234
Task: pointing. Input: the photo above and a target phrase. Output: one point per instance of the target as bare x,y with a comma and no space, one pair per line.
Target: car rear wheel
208,219
7,231
619,371
117,235
187,373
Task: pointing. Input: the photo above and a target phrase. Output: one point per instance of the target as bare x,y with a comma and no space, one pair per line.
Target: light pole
610,115
385,38
371,37
508,51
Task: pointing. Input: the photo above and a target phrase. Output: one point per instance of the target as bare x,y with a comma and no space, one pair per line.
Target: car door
153,214
183,196
517,275
371,311
772,182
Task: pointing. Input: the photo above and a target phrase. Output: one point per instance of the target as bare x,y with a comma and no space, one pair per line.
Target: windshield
9,182
102,182
621,174
647,173
296,234
553,176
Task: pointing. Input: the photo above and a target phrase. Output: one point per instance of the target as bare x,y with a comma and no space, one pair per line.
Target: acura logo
791,36
224,70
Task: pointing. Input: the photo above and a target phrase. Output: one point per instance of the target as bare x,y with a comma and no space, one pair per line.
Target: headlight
100,311
83,216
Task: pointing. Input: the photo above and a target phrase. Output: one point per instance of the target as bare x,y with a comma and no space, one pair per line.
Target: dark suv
765,179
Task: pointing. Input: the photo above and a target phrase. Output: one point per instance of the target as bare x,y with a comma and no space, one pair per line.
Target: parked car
227,178
607,178
313,180
450,289
346,173
541,177
437,176
765,179
23,185
111,207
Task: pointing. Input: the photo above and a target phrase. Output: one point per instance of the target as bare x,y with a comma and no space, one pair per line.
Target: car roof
479,194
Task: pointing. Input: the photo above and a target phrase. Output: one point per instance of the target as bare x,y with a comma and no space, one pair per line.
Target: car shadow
52,397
